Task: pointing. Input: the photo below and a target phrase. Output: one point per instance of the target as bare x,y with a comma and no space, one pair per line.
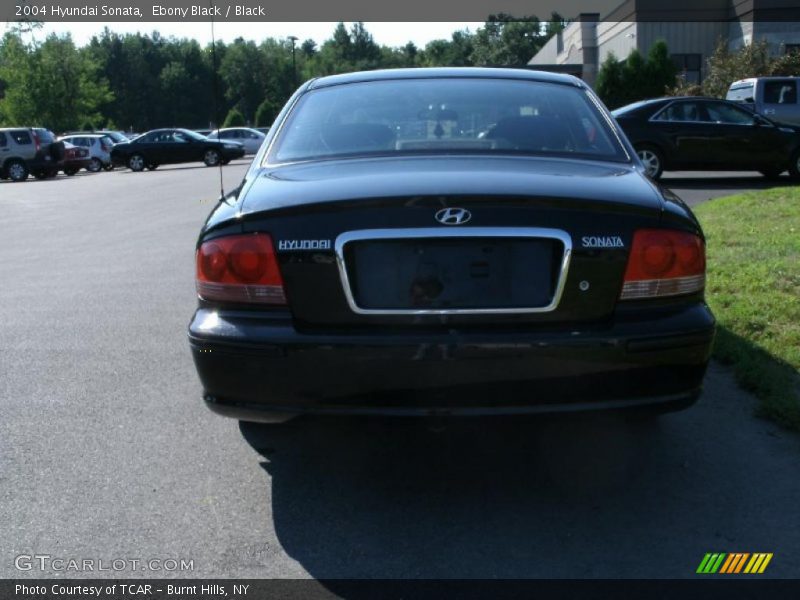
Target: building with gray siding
691,34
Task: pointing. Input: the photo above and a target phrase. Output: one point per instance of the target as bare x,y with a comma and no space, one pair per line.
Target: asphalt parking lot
107,452
698,187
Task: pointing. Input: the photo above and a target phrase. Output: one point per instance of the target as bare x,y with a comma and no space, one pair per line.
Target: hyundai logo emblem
453,216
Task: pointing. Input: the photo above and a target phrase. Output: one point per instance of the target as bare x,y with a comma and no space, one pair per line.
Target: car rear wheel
652,160
95,165
211,158
136,162
16,170
794,166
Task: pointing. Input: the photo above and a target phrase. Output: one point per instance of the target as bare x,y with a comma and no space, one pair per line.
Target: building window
688,66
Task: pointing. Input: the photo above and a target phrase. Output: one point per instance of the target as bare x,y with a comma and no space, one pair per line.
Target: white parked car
250,138
99,147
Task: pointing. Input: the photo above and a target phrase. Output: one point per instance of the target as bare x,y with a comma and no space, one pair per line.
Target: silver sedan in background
250,138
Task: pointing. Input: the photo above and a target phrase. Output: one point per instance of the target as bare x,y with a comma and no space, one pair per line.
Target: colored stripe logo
735,562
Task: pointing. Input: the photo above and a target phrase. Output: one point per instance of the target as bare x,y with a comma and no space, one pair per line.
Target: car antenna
216,92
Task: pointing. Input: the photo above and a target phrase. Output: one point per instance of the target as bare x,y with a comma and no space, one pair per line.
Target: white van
773,97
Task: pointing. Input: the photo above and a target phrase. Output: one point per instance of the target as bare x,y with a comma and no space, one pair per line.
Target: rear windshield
629,108
496,116
45,136
739,92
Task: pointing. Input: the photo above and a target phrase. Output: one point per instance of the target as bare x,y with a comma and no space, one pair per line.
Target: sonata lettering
600,241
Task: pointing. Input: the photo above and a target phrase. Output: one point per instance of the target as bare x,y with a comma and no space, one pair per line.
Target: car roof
444,73
89,135
764,78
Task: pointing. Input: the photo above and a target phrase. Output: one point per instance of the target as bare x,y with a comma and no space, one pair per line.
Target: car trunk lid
359,242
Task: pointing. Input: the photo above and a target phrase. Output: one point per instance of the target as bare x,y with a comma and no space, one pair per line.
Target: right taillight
664,262
241,269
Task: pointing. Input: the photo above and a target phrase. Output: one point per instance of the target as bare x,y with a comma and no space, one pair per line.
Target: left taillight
664,262
240,269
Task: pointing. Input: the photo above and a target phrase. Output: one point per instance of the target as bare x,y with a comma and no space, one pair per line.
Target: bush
234,119
659,71
637,78
609,82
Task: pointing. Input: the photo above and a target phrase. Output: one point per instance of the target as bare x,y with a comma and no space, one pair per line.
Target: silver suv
29,150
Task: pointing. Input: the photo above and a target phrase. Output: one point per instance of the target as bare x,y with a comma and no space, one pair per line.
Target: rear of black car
453,282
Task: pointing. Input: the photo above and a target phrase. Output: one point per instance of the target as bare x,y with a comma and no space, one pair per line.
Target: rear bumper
252,364
77,163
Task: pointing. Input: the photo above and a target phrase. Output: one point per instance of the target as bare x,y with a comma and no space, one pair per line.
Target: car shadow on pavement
392,498
593,495
182,167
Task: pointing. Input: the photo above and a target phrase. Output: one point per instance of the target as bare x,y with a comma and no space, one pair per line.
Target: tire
16,170
95,166
136,162
794,165
212,157
152,167
70,171
652,159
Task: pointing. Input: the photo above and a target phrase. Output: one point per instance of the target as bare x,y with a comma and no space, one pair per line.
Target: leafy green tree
505,41
245,73
456,52
15,66
53,84
308,48
234,119
266,113
725,66
555,25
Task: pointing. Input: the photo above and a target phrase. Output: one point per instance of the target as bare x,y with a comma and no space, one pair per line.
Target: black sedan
708,134
448,241
167,146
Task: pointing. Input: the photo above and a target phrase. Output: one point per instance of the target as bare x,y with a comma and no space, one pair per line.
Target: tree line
139,82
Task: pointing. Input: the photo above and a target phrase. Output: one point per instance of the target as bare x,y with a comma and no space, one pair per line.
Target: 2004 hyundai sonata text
448,241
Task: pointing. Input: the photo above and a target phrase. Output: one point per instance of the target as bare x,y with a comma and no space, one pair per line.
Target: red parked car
75,159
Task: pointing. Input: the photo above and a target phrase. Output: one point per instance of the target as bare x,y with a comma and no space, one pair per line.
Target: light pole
293,39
